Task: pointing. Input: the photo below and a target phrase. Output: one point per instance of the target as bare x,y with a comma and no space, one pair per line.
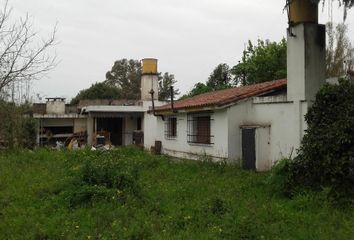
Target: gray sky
188,37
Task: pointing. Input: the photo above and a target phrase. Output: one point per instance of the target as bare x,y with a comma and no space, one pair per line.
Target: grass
130,194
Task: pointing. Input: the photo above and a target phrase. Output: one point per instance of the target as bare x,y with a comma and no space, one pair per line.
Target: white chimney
149,79
55,106
306,51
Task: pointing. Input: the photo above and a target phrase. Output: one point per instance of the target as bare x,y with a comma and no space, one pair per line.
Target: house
56,121
121,122
253,125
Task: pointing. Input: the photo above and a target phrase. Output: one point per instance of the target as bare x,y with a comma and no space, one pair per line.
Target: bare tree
24,56
339,51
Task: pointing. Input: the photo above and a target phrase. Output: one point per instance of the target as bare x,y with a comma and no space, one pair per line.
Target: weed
130,194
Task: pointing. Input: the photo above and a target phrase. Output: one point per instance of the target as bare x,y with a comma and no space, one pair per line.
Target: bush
17,129
106,176
326,156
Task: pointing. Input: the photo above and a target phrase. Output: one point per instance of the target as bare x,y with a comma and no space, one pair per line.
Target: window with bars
199,130
171,127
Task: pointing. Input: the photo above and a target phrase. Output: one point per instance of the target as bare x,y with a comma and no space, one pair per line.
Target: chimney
149,79
306,47
55,105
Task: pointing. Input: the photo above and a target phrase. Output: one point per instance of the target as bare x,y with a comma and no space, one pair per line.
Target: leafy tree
339,51
123,81
262,62
165,82
16,129
23,55
325,158
126,75
198,88
98,91
220,78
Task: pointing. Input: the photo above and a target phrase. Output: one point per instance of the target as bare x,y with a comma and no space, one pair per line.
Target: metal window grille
199,129
171,128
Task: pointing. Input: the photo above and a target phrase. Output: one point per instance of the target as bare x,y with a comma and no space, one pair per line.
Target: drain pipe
153,106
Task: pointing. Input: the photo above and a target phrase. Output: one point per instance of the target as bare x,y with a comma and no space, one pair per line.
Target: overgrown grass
130,194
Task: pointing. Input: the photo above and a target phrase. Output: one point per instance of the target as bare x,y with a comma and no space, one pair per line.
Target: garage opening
114,126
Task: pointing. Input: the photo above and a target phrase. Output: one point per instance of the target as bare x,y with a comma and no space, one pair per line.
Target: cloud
188,37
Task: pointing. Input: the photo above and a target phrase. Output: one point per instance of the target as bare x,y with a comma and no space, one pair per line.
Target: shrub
326,156
17,129
109,175
217,206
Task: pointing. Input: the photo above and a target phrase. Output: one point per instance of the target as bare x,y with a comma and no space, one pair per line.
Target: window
199,129
171,127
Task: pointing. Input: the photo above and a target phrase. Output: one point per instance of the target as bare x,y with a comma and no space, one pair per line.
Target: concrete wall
306,61
286,128
80,125
90,130
55,107
179,147
57,122
150,124
280,128
149,82
129,125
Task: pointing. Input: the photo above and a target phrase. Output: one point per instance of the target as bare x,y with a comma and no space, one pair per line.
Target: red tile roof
224,97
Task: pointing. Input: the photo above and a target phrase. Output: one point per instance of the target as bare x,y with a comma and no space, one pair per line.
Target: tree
123,81
197,89
325,158
165,82
98,91
220,78
346,3
22,57
264,62
16,129
126,75
339,51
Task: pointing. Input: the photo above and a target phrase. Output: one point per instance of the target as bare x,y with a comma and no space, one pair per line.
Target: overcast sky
188,37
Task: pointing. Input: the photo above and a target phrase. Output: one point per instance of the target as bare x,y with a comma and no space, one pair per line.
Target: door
249,148
114,126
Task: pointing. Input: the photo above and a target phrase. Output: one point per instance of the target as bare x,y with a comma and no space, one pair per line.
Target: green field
130,194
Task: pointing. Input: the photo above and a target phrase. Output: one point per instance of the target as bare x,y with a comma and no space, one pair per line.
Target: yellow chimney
302,11
149,66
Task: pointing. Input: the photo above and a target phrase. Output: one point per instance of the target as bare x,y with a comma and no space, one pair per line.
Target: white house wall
150,125
287,125
179,147
280,128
